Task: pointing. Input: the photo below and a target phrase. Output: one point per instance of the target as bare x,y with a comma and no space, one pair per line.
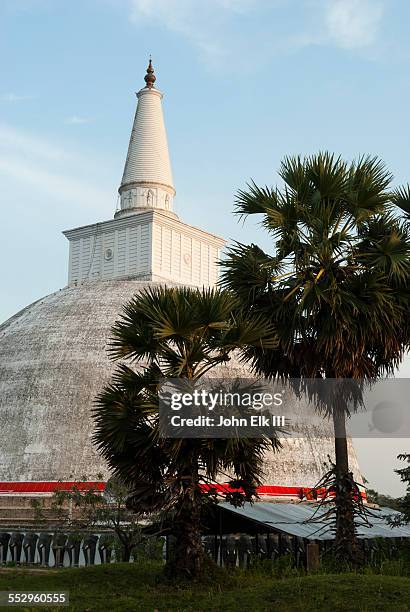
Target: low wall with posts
65,549
56,549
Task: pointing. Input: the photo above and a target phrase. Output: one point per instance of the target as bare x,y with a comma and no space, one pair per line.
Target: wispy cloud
353,24
202,23
220,29
49,169
17,141
63,188
77,120
13,97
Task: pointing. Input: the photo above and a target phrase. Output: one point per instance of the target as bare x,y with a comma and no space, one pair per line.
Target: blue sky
245,81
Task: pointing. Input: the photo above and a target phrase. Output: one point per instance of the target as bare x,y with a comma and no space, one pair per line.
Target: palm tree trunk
186,560
341,452
346,544
125,554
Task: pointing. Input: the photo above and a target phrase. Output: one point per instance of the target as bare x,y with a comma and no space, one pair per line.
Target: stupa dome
53,364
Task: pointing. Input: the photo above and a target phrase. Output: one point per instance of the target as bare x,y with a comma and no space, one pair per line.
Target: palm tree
403,503
175,333
336,288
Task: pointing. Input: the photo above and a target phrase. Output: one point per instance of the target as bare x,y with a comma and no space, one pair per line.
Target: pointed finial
150,77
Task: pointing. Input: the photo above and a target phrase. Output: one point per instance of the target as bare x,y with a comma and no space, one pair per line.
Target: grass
136,587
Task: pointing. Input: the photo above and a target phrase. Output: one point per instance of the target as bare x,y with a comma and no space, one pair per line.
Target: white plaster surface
53,363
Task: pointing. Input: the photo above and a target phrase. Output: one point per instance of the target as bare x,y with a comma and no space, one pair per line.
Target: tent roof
293,520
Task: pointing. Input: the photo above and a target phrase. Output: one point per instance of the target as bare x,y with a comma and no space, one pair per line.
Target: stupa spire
150,77
147,179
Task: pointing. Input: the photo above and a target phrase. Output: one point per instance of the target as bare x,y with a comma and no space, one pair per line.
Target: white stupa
53,358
